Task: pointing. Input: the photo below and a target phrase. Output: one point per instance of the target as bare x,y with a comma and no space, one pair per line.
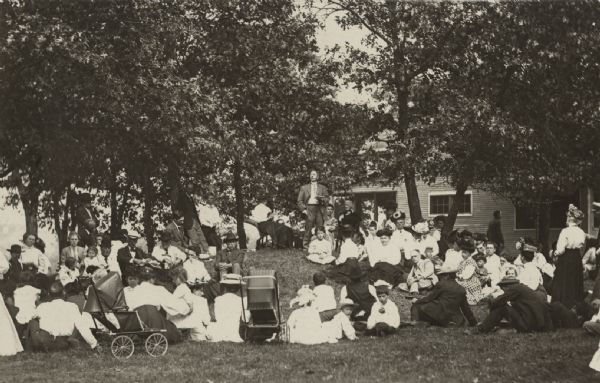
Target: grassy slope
413,355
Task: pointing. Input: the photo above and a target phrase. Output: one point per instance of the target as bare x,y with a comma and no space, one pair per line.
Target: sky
332,34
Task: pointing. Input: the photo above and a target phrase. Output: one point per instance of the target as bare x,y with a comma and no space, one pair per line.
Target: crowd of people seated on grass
172,288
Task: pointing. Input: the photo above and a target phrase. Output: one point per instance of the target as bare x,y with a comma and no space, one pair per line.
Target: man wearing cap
312,198
230,259
445,305
87,221
166,253
520,306
130,255
56,324
385,318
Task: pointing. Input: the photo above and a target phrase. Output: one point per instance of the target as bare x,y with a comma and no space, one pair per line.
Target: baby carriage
106,297
262,295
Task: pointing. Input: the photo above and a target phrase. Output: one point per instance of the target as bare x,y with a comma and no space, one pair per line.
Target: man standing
209,219
262,217
183,202
312,198
494,232
87,222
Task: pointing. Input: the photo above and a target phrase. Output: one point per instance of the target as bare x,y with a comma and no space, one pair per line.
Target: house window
525,216
440,202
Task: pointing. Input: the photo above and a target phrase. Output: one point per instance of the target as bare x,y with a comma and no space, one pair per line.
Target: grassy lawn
413,355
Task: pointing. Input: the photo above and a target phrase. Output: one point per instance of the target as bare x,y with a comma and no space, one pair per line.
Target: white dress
198,319
228,313
319,251
305,327
595,362
10,344
25,298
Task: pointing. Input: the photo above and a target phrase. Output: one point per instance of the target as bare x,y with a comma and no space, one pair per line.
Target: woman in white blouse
567,286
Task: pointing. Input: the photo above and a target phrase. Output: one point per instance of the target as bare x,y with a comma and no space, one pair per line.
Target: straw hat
347,302
232,279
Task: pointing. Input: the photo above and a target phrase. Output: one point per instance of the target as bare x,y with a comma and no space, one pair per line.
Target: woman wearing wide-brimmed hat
567,286
304,323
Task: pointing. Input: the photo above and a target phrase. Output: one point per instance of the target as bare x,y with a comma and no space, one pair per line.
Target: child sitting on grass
435,259
68,272
324,302
385,318
304,323
93,261
319,250
422,275
340,325
481,271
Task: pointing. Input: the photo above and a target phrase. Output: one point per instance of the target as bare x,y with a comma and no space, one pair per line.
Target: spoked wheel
157,344
122,347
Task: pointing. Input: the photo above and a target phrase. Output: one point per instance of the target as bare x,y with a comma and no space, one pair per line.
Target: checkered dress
471,285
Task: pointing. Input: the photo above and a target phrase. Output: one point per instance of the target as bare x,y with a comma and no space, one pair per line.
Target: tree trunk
30,201
239,203
412,195
543,227
114,207
403,131
149,201
61,227
461,188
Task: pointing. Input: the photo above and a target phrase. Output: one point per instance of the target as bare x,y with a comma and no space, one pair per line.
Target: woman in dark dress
567,286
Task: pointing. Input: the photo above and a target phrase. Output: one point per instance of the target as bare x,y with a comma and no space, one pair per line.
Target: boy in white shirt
385,318
530,276
324,297
340,325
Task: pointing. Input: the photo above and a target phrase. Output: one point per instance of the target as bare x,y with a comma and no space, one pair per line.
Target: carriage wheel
157,344
122,347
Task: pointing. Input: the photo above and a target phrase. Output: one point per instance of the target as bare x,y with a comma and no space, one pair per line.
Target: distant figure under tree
494,232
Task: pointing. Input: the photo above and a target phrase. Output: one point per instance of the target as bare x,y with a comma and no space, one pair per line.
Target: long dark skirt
153,318
385,271
567,285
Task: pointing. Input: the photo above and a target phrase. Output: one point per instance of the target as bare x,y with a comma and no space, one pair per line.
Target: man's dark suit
445,304
315,212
